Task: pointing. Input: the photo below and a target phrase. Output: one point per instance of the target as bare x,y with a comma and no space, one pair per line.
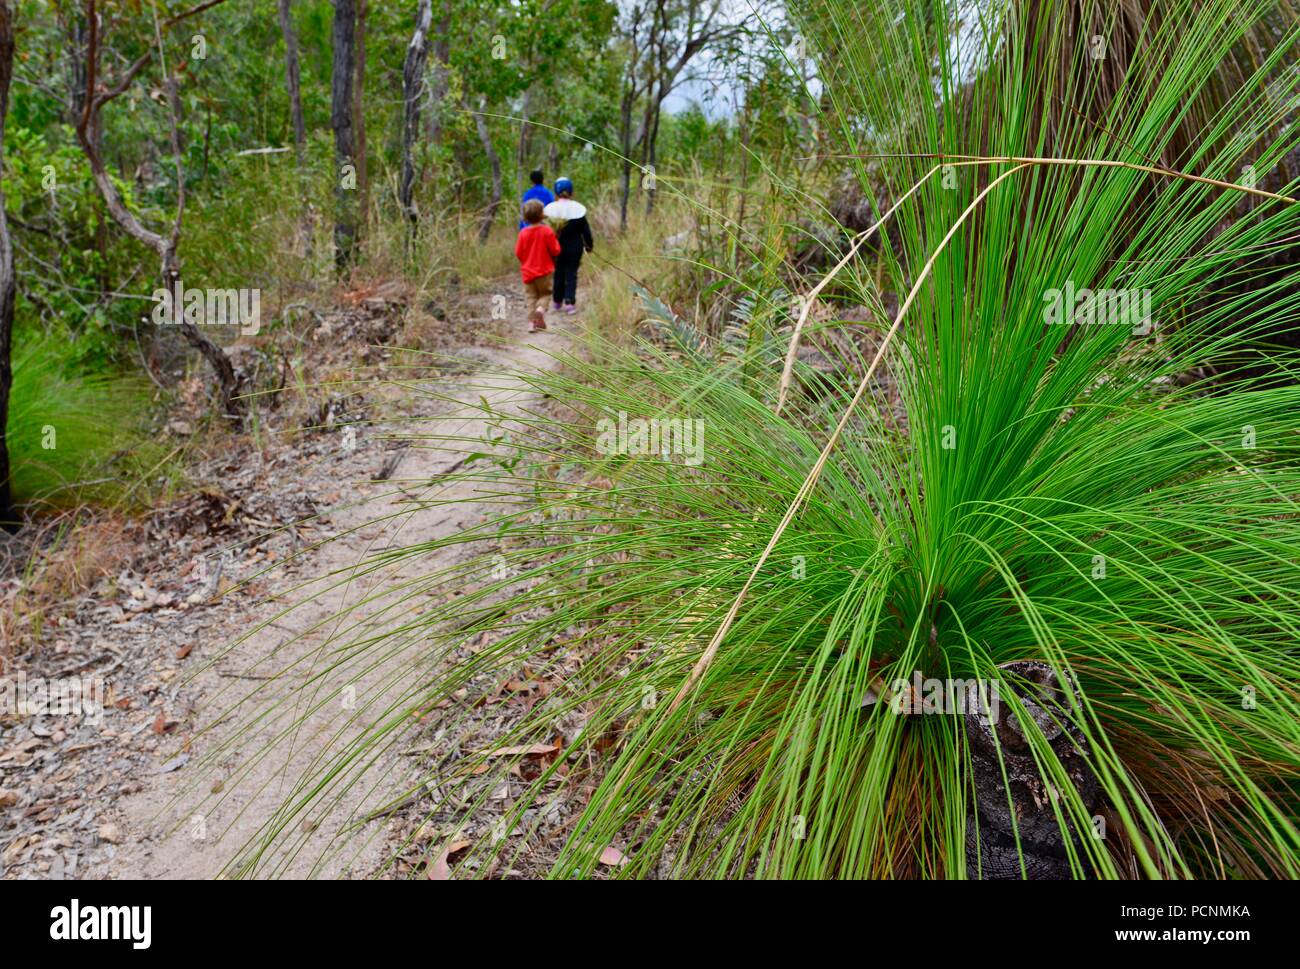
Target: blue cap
563,185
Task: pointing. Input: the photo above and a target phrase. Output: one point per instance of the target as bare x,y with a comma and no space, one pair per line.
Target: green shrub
78,437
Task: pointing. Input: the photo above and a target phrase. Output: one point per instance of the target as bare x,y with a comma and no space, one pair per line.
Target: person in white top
569,219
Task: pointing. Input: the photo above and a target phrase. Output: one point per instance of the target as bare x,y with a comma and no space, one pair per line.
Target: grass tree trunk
417,56
8,517
341,114
494,202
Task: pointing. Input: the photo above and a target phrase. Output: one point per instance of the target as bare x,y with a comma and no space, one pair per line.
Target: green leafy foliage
78,436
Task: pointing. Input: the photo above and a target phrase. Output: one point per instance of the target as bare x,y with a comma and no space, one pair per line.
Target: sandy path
236,775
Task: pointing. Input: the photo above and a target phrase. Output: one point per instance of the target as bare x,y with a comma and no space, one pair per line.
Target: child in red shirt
536,250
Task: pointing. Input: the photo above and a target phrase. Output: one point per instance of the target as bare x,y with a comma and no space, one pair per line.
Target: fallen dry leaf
527,750
473,770
612,857
176,763
440,870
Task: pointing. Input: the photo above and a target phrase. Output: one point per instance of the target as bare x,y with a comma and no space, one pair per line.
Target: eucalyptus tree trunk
73,20
341,115
441,49
89,131
417,56
652,137
359,121
494,203
292,77
293,84
522,166
625,150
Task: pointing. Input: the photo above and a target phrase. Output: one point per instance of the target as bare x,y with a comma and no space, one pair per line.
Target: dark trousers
566,277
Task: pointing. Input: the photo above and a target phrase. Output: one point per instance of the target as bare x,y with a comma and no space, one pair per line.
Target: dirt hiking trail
235,738
165,845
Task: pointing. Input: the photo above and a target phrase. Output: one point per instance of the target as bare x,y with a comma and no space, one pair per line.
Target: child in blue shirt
537,190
